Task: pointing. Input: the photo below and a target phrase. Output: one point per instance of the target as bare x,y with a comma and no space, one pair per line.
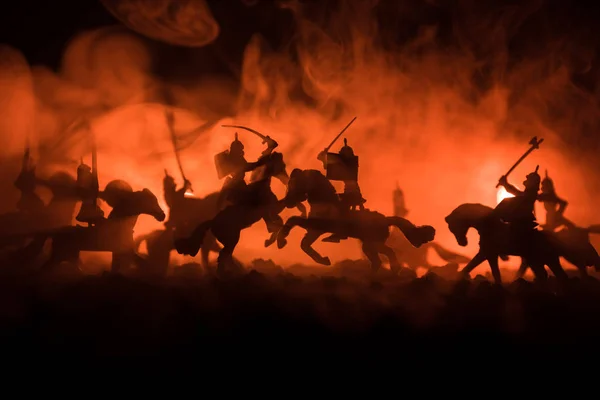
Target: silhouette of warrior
87,187
554,206
518,211
26,183
351,198
234,189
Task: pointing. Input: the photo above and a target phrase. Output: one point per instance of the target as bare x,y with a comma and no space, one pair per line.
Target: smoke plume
447,95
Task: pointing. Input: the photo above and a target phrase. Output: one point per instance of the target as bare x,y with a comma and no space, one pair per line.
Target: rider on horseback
351,198
234,189
518,211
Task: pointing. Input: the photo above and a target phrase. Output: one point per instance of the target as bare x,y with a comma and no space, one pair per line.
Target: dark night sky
41,30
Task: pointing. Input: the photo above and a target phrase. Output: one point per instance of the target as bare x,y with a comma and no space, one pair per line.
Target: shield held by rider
224,162
342,166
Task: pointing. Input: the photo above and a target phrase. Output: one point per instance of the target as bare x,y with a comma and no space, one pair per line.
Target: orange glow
502,194
420,118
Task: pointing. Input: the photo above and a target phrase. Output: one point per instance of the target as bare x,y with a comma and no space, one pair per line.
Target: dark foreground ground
281,319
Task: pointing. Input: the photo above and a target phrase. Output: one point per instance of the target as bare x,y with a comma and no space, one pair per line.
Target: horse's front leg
274,224
474,263
306,243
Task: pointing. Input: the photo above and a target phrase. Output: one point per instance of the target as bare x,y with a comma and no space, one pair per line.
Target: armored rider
518,211
87,186
351,198
234,188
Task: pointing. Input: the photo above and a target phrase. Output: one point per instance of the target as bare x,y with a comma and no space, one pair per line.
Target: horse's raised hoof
332,239
281,242
270,241
186,247
324,261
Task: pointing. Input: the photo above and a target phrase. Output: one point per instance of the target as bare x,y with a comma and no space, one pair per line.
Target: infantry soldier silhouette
554,206
26,183
87,186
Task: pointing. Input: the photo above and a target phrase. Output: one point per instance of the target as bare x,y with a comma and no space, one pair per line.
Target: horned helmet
547,184
115,190
236,146
346,151
533,179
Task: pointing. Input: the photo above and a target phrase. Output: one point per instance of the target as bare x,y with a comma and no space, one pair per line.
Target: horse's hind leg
229,241
391,256
522,268
493,261
372,253
557,270
306,245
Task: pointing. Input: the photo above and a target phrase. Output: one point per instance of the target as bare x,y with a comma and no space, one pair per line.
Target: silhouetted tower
399,202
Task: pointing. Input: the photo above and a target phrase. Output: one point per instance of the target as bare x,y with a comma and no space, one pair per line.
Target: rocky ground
295,316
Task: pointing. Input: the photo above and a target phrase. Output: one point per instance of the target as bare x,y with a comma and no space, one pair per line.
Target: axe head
535,143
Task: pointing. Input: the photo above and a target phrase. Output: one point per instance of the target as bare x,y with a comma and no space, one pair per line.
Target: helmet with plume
346,151
236,145
533,178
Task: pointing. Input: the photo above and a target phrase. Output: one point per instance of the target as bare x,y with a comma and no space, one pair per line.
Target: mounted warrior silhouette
242,205
343,215
113,234
579,250
186,211
511,229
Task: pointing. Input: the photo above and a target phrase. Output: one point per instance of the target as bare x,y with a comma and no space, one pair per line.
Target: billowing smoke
444,109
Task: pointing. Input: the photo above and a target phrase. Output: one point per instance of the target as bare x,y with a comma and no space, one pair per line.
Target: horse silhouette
113,234
370,227
577,248
312,186
328,215
495,241
185,213
257,201
18,227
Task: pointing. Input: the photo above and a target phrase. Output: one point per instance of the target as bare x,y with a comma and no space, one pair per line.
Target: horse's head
465,217
296,189
276,164
148,204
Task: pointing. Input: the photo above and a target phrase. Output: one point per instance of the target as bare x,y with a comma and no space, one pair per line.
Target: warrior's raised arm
503,181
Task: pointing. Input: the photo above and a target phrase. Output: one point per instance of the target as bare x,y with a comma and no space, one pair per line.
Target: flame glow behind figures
502,194
426,114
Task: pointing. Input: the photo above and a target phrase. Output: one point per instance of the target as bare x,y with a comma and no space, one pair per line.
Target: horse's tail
416,235
191,245
448,255
593,229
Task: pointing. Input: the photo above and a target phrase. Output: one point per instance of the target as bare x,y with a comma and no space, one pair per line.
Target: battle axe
535,144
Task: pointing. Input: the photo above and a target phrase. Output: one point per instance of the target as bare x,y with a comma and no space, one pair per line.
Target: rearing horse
495,241
257,202
327,215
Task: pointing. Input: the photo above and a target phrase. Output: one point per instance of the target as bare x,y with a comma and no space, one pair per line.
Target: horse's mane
470,210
